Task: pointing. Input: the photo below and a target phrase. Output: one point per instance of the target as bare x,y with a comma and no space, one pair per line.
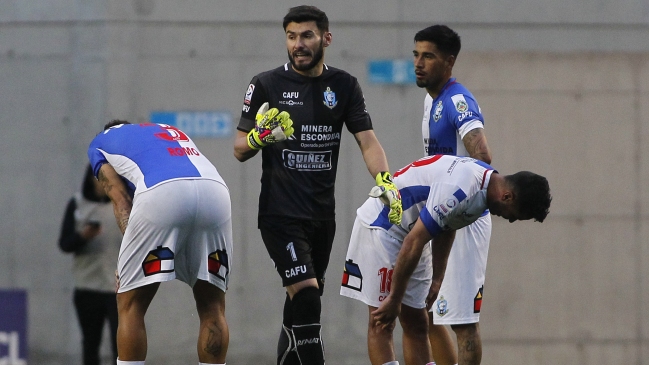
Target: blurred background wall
563,85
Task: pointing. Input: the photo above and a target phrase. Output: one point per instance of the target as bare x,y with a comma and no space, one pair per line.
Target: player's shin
306,326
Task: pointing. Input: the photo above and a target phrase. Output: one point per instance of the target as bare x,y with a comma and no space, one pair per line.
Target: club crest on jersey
352,277
158,261
217,264
330,98
437,114
442,306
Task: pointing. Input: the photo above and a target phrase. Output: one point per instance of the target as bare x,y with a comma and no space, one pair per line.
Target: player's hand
386,314
389,195
271,126
432,294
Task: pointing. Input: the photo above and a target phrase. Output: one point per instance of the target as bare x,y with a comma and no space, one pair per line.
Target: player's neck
315,71
436,89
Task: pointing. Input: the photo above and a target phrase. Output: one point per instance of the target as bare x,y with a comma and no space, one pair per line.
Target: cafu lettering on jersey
295,271
290,94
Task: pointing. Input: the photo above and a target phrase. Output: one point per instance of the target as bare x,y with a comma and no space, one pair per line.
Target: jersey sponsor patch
307,161
160,260
217,264
460,103
477,301
352,277
248,97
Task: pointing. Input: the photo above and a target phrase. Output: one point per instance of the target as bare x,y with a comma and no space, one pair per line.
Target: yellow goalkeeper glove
271,126
389,195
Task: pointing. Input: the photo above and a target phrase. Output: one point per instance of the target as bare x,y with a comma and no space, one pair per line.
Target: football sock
204,363
120,362
286,354
394,363
306,326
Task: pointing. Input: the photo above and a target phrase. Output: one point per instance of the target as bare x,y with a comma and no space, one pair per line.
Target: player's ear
326,39
450,60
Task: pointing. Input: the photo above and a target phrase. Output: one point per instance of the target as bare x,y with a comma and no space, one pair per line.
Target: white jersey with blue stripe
445,192
448,118
149,154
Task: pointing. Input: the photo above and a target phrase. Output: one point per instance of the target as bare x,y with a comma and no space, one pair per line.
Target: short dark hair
532,194
115,122
305,13
445,38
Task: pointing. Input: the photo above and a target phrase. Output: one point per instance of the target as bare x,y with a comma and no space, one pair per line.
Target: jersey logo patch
217,264
352,277
460,103
158,261
307,161
438,111
330,98
442,307
477,301
248,97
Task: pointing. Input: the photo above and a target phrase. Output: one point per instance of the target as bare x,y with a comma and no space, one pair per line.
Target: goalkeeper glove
271,126
389,195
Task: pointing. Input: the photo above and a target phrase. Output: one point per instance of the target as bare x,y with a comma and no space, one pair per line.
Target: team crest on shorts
352,277
442,306
217,264
330,98
477,301
158,261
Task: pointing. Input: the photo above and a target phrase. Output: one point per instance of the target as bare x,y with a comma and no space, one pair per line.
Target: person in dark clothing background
89,231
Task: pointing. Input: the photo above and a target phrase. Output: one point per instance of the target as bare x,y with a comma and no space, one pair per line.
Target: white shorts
460,297
370,261
180,229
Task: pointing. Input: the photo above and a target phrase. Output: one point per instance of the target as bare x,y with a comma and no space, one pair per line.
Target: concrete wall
564,86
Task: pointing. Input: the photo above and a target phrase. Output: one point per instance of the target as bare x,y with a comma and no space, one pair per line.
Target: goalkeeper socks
306,326
120,362
286,354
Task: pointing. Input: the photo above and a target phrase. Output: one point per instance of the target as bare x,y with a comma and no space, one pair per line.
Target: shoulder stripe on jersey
484,178
433,228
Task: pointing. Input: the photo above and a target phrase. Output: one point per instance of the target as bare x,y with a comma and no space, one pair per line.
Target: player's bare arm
407,260
372,151
441,247
118,194
242,151
475,142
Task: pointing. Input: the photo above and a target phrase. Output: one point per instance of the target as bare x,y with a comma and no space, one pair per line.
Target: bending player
392,268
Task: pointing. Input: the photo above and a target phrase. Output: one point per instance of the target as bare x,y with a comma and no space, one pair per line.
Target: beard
315,58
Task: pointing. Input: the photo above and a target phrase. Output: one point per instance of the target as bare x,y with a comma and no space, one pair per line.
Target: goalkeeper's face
305,45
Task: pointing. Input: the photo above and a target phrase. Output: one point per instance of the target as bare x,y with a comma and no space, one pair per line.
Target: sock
397,363
306,326
120,362
286,354
204,363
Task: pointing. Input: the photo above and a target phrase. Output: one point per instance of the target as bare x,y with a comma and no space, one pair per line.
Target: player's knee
306,306
466,330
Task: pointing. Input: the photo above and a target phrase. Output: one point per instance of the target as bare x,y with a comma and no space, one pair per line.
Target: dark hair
305,13
88,187
446,40
115,122
532,193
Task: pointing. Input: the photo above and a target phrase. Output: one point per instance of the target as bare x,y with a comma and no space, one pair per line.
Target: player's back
149,154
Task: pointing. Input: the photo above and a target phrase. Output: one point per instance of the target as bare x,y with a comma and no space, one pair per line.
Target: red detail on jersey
173,134
421,162
484,178
183,151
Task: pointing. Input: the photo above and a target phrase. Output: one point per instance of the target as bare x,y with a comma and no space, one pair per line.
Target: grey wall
564,86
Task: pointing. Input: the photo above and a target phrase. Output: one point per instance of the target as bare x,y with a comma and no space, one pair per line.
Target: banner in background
13,327
211,124
399,72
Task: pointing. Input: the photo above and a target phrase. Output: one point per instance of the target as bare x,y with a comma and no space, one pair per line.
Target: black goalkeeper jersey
298,174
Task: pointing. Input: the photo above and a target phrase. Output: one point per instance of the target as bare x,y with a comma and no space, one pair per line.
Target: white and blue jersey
146,155
448,118
446,192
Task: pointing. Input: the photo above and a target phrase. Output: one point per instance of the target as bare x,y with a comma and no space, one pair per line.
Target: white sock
392,363
120,362
204,363
433,363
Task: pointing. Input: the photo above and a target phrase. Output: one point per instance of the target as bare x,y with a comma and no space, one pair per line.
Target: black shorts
300,248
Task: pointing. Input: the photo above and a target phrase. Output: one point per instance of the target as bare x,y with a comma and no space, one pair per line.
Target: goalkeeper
300,147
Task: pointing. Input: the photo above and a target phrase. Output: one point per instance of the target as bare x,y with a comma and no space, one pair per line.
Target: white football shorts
179,229
370,261
460,297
